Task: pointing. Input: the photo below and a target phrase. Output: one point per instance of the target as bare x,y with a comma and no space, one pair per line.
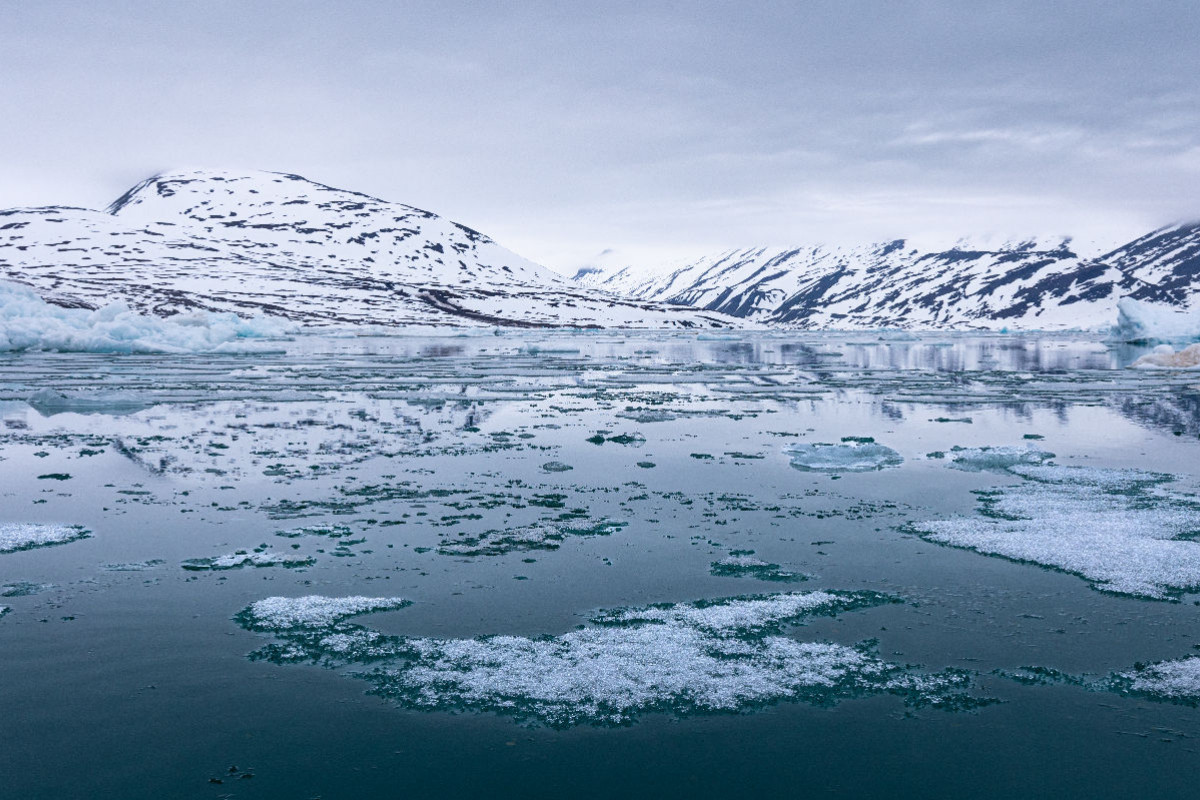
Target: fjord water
519,484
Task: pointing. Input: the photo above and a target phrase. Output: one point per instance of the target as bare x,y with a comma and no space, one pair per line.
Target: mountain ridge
279,244
1022,284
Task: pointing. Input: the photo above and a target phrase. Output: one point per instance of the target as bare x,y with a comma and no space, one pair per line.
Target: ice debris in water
4,610
1167,680
1164,356
537,536
707,656
743,564
29,323
327,531
1139,321
1110,527
979,459
311,611
852,455
243,558
16,536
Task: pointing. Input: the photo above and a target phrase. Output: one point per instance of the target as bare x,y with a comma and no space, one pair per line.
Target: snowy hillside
1023,285
278,244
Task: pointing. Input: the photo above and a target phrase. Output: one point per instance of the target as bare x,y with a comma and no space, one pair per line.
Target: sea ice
1108,526
1170,680
851,455
743,564
999,459
721,655
29,323
16,536
1164,356
311,611
243,558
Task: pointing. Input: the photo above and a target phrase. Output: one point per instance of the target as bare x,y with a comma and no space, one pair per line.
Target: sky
621,133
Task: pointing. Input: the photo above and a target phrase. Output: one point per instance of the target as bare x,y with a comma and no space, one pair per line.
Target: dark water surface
123,674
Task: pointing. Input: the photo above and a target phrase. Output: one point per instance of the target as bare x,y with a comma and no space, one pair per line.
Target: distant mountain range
278,244
1021,285
281,245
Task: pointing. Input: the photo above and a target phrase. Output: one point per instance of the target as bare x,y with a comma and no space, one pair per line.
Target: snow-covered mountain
1021,285
278,244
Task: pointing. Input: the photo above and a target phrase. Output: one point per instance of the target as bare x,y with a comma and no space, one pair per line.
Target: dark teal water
134,680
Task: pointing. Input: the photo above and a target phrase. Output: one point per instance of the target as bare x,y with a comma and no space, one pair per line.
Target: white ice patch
722,655
1174,680
849,456
1164,356
1138,321
16,536
312,611
1107,526
998,459
29,323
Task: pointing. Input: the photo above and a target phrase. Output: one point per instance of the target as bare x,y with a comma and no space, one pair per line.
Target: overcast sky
654,130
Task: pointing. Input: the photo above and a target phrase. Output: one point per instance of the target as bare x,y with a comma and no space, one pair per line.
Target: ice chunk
1138,321
312,611
1165,356
999,459
1166,680
29,323
242,558
16,536
722,655
849,456
743,564
1108,526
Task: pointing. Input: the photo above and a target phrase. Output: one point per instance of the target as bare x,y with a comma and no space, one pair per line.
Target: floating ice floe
1138,321
1177,681
29,323
538,536
311,611
4,610
709,656
1165,357
1114,528
16,536
243,558
998,459
852,455
743,564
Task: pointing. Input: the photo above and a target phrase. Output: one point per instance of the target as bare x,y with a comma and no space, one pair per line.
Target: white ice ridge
1139,321
849,456
29,323
720,655
979,459
1174,680
1111,527
16,536
1164,356
312,611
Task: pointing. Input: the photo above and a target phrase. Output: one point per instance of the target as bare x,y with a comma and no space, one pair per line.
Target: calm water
124,674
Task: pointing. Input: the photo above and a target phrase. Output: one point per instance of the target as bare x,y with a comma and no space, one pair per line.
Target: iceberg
27,322
1139,321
